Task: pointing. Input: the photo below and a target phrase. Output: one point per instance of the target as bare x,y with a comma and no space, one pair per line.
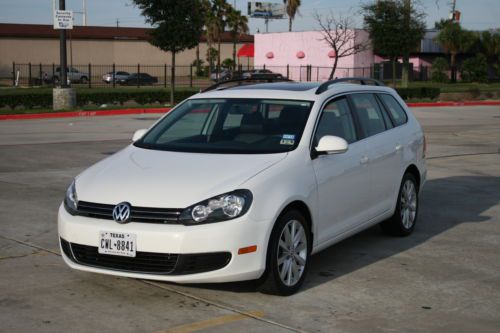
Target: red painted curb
73,114
466,103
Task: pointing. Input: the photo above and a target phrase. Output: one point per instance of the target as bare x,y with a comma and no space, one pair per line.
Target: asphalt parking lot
444,278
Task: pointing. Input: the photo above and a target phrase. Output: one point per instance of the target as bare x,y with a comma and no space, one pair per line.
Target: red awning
246,50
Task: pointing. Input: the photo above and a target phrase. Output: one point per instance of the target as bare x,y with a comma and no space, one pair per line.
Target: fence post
191,76
114,75
288,71
40,74
300,73
165,76
264,66
29,75
90,75
138,75
317,73
13,73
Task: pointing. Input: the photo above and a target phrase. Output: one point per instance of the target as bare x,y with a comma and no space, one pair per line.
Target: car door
383,150
342,179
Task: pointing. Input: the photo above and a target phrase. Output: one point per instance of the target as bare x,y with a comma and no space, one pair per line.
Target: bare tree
339,33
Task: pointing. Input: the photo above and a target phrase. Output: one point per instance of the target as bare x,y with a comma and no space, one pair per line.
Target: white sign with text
63,19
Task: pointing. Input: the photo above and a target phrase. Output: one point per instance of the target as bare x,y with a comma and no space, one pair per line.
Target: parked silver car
108,77
73,75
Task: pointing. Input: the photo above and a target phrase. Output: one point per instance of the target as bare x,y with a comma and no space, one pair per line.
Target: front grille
147,262
137,214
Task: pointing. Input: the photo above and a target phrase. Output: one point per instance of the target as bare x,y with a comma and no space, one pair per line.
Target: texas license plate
117,243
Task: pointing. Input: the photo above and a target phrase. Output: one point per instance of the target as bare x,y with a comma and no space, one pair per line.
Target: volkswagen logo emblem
121,212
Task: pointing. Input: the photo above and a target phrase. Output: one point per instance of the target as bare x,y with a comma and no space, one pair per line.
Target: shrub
30,100
439,71
475,69
419,93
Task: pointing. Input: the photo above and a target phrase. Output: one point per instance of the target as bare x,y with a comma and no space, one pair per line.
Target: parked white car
248,182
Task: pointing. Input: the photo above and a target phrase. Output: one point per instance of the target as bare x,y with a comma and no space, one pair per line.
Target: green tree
238,25
396,28
292,8
177,27
439,70
475,69
490,47
455,40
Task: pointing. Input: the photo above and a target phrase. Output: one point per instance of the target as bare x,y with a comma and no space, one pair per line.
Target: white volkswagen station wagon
246,181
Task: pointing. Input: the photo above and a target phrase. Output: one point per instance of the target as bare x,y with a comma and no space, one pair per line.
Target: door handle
364,160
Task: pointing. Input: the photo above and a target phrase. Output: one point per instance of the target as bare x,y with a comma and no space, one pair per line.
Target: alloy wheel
408,201
292,253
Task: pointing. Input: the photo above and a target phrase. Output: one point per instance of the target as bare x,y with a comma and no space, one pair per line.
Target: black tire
270,282
84,80
395,226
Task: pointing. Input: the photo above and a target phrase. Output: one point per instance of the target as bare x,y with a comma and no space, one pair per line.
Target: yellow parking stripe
217,321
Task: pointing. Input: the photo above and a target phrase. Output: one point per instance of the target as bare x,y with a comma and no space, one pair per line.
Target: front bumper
228,236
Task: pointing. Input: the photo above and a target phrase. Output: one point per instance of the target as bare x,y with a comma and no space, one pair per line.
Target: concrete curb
464,103
73,114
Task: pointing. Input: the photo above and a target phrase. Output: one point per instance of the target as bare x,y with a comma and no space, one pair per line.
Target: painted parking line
217,321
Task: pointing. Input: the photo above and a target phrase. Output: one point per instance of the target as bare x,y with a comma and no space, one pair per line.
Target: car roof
287,90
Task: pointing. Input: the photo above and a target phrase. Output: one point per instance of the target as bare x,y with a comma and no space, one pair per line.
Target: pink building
299,49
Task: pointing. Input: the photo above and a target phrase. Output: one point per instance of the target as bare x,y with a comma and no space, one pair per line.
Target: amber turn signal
248,249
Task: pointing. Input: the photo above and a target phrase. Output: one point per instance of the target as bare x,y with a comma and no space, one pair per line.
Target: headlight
71,200
220,208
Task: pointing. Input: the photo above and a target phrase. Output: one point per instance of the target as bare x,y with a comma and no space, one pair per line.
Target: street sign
63,19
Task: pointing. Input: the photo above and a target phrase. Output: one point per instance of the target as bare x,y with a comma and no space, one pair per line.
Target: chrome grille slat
137,214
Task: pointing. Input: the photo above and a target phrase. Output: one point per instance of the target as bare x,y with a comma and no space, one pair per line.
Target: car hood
151,178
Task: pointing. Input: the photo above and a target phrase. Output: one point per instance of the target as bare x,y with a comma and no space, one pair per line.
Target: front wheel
288,255
403,221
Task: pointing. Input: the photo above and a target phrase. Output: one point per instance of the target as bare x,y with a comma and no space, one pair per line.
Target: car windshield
230,126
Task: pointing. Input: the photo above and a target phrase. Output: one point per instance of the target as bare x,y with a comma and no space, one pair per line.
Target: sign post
63,97
63,20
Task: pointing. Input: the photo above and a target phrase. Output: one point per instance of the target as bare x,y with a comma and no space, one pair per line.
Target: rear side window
398,114
336,119
369,114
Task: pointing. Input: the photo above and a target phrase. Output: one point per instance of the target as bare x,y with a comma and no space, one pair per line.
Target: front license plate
117,243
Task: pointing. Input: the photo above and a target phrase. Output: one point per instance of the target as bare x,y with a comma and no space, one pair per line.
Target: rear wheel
287,255
403,221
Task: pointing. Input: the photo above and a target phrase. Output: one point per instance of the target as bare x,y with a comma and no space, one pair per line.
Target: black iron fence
112,76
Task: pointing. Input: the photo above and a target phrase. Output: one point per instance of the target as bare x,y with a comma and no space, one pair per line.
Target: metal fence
93,75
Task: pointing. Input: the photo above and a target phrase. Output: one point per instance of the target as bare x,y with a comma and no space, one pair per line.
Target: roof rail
362,80
241,81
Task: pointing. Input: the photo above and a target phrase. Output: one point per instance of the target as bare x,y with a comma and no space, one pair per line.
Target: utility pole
62,51
117,22
84,15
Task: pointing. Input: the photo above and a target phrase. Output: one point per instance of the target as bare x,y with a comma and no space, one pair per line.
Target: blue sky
476,14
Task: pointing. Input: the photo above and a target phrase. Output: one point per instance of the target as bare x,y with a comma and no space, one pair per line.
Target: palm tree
238,25
455,40
291,7
219,9
211,32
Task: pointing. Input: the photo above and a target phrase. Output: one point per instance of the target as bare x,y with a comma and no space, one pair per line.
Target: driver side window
336,120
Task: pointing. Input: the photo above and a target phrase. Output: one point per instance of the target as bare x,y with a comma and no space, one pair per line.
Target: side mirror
330,144
139,134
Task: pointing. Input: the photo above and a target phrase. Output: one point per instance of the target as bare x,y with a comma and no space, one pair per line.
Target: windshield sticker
287,142
288,136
